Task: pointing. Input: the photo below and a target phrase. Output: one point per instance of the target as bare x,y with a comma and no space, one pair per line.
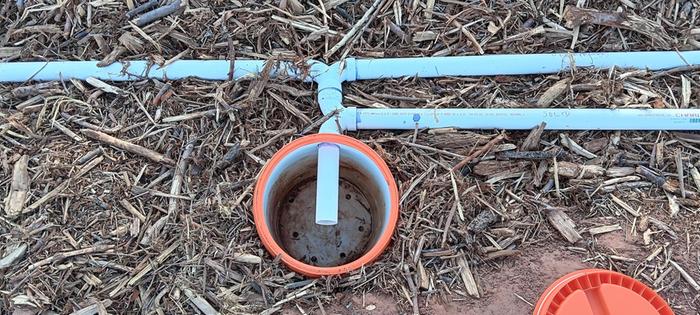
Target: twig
280,134
319,122
46,198
578,16
413,288
88,156
180,170
686,276
156,14
688,68
142,8
69,254
152,265
679,170
624,205
129,207
127,146
351,34
575,147
479,152
469,35
82,123
456,193
448,222
67,131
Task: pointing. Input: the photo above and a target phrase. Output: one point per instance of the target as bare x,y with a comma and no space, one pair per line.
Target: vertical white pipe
330,98
327,179
526,118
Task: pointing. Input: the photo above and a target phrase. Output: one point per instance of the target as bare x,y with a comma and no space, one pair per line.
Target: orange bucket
600,292
284,207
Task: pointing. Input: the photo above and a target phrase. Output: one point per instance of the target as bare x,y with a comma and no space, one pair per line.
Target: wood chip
247,258
424,36
562,223
467,277
575,147
19,188
104,86
12,255
695,174
553,92
532,142
96,308
573,170
604,229
199,302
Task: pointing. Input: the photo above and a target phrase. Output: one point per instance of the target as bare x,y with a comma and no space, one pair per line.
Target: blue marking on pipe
416,117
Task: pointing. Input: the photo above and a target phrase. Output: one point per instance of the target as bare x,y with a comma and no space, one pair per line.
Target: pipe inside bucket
289,203
327,184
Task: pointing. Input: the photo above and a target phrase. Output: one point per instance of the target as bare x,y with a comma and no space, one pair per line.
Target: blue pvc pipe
327,183
330,79
525,119
138,70
519,64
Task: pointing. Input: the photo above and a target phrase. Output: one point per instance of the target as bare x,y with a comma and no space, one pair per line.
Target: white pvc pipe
138,70
330,78
523,119
518,64
327,184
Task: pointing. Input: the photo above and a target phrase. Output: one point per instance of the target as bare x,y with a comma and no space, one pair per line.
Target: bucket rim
266,235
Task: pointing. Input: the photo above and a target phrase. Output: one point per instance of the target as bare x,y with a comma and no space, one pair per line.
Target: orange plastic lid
600,292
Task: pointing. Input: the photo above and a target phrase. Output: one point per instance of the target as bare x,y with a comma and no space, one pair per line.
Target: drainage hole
361,228
347,196
295,234
314,259
342,255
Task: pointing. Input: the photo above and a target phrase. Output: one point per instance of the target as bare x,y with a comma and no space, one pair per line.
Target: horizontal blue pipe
360,69
524,119
138,70
518,64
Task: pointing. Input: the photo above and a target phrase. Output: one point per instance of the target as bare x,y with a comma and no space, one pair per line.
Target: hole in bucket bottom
328,245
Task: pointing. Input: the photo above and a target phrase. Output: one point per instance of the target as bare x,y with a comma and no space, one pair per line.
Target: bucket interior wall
290,205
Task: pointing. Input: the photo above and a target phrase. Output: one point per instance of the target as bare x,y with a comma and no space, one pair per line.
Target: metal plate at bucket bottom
325,245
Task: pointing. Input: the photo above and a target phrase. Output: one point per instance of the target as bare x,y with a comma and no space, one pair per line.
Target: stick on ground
127,146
